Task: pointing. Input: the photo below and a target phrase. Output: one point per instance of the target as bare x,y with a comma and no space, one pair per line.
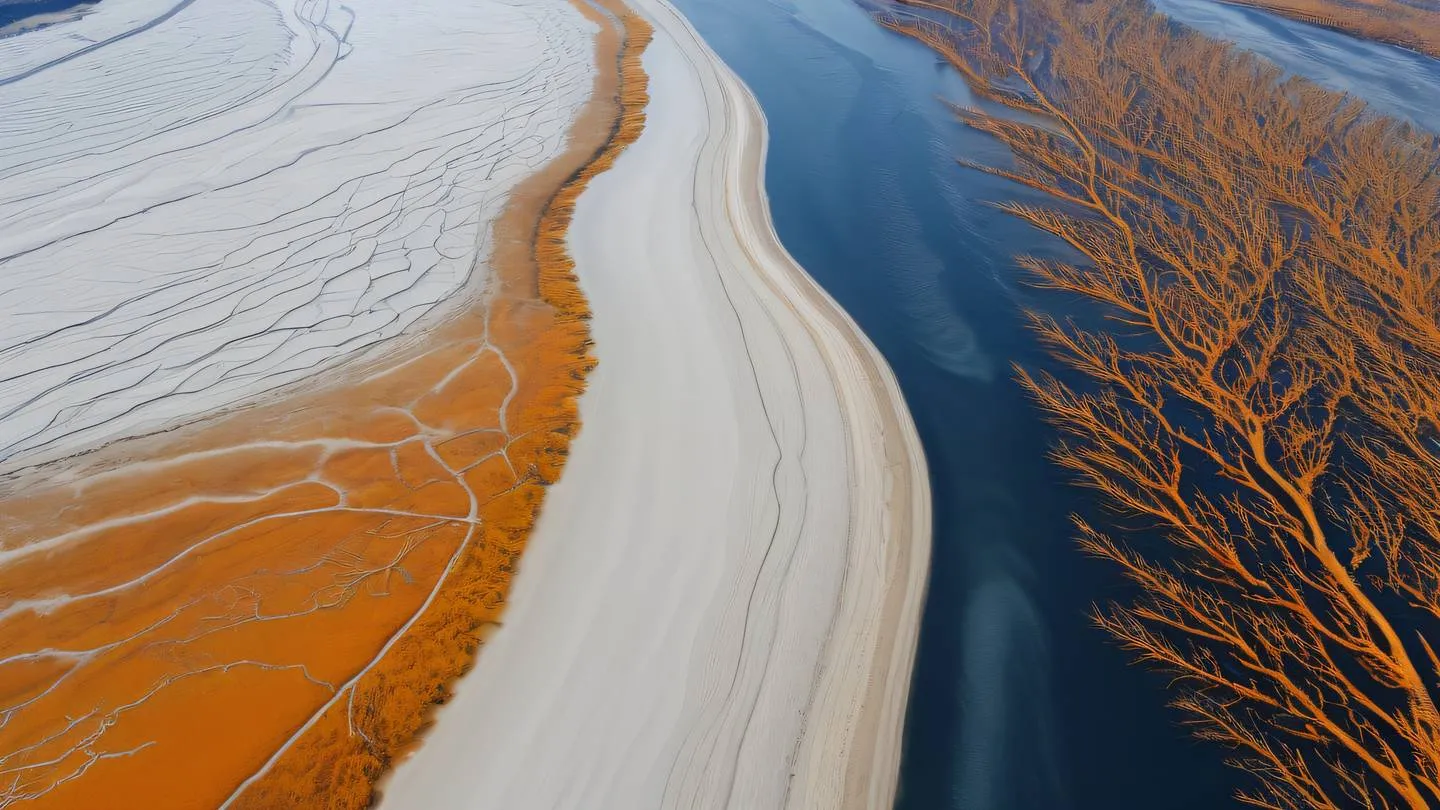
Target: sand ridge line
857,717
720,602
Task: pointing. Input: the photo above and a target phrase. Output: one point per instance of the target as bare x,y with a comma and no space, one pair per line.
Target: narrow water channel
1017,703
1393,80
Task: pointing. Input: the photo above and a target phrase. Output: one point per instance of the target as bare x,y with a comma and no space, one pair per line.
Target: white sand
201,200
720,603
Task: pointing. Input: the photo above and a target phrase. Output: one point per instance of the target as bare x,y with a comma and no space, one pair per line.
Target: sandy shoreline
720,603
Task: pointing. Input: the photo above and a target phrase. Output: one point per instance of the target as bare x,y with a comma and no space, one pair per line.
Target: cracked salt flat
201,200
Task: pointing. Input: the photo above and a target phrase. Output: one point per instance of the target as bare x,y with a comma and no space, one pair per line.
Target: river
1017,703
13,13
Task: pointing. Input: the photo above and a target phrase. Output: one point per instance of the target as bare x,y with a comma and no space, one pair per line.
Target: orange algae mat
260,611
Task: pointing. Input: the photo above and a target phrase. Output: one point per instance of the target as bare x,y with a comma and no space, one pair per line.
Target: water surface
1395,81
1017,703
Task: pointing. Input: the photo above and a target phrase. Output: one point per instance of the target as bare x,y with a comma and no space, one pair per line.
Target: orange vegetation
341,756
1413,24
1251,377
261,610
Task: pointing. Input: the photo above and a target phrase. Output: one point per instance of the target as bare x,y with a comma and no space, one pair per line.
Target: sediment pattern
206,199
338,753
258,611
720,601
1413,24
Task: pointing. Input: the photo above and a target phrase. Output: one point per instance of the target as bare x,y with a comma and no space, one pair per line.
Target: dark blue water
1017,704
12,12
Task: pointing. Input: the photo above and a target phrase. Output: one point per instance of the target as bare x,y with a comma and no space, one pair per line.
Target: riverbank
720,601
1391,79
1390,23
28,15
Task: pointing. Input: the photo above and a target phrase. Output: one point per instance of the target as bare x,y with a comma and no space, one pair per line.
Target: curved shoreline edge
720,604
370,527
538,266
858,708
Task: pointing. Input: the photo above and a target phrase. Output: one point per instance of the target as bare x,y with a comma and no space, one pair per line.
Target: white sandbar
719,606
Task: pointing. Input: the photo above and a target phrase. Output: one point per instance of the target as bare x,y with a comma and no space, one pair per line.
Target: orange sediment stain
1396,22
263,609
